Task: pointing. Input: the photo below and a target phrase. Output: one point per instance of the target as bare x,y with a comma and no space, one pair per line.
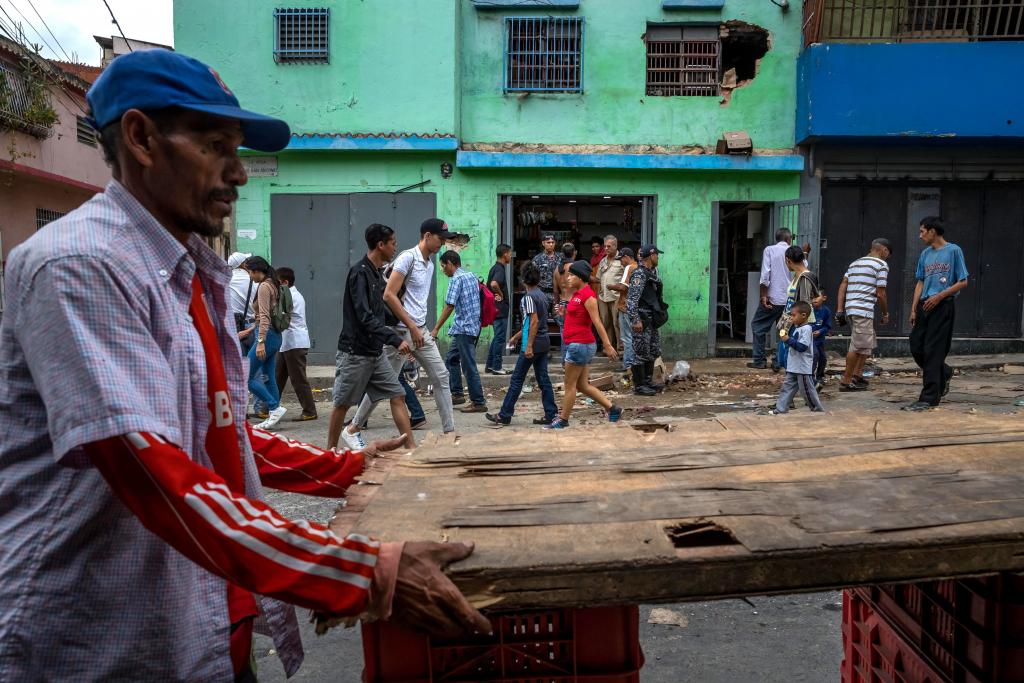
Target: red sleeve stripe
270,463
245,516
200,505
259,433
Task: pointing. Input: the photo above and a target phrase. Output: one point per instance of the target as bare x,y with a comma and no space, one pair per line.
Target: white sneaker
275,416
353,441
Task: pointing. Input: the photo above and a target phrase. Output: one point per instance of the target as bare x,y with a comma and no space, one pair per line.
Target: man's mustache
224,195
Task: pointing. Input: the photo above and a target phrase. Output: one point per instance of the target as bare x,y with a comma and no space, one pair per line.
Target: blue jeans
580,354
262,380
539,363
497,347
462,355
626,335
412,401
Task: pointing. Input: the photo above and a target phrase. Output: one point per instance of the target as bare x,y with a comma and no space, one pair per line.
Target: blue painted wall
911,91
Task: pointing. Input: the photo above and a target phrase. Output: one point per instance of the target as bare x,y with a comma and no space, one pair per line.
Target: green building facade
510,119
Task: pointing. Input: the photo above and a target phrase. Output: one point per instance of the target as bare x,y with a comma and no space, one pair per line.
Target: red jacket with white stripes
240,539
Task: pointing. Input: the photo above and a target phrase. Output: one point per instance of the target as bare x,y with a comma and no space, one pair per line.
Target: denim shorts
580,354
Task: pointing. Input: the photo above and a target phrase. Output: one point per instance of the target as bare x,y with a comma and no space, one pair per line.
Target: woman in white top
294,347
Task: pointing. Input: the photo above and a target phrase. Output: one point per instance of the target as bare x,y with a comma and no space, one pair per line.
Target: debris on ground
667,617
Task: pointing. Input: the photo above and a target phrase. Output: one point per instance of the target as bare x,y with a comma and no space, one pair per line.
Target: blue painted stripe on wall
910,91
521,4
685,162
693,4
402,144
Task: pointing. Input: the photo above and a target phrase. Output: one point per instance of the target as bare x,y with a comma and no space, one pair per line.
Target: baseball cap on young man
649,249
625,251
436,226
149,80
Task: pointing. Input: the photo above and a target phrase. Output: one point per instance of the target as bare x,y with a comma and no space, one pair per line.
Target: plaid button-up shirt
464,295
97,342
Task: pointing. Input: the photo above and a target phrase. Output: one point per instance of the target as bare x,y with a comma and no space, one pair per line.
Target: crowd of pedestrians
612,304
793,302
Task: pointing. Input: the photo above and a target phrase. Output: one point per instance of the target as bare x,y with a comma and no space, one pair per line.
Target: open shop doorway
576,219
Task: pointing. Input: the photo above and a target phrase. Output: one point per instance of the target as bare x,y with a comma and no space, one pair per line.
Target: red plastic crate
594,645
972,630
874,653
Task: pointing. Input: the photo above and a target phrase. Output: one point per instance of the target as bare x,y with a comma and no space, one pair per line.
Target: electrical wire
118,25
37,32
45,67
47,27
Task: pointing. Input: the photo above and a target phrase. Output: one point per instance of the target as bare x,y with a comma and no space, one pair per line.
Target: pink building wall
58,173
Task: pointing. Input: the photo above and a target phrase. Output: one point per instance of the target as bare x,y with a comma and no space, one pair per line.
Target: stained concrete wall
21,195
392,64
613,108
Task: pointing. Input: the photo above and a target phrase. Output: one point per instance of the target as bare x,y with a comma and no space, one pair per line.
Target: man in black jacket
362,368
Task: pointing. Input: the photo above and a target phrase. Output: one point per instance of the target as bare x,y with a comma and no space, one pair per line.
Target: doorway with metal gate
739,233
320,236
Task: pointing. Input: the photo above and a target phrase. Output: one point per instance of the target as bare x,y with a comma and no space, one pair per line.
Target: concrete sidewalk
322,376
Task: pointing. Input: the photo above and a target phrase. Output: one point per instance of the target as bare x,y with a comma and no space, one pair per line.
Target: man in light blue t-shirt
941,274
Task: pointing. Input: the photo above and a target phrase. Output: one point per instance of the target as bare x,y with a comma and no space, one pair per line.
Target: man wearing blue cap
137,545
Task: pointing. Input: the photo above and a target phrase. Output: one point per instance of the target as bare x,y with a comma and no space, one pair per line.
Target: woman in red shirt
581,318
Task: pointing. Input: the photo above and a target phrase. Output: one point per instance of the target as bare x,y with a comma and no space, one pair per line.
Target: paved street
780,638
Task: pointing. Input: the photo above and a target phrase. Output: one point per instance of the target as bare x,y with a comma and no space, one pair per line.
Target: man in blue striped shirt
862,287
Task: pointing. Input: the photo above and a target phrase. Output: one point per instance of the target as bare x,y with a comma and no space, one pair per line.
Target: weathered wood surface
719,507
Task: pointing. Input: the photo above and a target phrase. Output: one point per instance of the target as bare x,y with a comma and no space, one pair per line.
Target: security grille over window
86,133
44,216
544,54
15,100
911,21
683,60
301,36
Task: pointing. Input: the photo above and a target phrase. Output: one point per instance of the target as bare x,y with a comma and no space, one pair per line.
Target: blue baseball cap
155,79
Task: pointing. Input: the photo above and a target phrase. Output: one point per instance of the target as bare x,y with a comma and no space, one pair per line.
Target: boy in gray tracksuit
800,363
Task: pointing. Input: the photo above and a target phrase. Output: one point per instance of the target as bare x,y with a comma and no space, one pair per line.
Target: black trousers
760,326
929,344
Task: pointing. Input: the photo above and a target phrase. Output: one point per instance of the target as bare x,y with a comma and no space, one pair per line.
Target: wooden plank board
720,507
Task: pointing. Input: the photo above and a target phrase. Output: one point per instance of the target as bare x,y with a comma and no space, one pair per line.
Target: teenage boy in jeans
463,298
414,270
534,352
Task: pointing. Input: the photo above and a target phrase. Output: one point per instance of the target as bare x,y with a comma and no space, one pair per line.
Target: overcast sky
75,22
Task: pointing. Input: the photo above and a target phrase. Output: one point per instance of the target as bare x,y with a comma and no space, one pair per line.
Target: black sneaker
850,387
947,377
644,390
497,419
918,406
860,382
542,420
757,366
419,424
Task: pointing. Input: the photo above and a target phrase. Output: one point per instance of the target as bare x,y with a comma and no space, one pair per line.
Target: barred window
86,133
301,36
44,216
544,54
683,60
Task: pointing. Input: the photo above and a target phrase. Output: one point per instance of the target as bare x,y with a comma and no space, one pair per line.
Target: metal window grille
544,54
18,101
908,21
44,216
86,133
682,66
301,36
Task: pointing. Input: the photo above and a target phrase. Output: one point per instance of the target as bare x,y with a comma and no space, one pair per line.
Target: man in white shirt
413,270
291,359
628,260
775,278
